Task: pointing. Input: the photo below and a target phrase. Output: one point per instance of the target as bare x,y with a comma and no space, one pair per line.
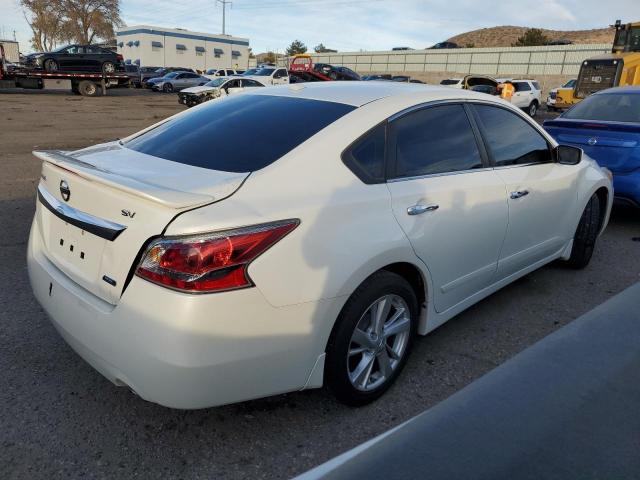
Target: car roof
358,93
634,89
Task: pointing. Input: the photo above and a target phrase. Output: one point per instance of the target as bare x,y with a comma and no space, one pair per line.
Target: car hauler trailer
89,84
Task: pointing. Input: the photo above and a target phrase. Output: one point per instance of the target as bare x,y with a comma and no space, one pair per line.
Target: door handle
418,209
519,193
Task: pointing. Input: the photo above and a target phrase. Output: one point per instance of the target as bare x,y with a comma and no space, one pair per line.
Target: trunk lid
98,206
614,145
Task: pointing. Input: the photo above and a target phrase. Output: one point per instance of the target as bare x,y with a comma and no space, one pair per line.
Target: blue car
606,125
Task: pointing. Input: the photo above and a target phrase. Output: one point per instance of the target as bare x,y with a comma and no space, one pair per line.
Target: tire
108,68
333,76
584,240
50,65
87,88
361,377
532,109
167,88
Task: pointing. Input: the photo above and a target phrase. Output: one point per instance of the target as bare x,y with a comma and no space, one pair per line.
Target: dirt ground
61,419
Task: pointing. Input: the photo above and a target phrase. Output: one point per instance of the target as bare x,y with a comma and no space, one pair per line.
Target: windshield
570,83
251,71
171,75
209,136
608,107
58,50
216,83
264,72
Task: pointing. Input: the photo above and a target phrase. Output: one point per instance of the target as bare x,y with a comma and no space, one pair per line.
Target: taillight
210,262
119,57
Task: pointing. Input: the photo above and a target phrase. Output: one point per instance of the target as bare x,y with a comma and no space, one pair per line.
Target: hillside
508,35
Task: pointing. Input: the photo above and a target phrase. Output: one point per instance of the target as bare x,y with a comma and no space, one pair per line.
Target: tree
532,37
322,49
296,47
45,21
79,21
86,20
268,57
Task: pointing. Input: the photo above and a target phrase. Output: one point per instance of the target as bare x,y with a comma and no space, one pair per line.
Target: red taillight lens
210,262
119,57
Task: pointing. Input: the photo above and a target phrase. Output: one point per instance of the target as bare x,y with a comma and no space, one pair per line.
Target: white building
149,46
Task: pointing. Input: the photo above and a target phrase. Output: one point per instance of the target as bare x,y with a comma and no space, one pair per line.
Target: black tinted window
510,139
434,140
238,135
366,156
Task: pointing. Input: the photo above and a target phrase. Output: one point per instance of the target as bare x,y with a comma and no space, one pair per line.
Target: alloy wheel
379,342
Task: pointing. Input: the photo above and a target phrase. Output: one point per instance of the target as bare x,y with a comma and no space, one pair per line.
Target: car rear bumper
181,350
627,187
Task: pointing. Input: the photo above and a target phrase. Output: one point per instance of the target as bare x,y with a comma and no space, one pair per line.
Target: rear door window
238,135
432,141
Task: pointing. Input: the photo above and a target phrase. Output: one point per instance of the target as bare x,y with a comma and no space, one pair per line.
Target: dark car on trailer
77,58
335,72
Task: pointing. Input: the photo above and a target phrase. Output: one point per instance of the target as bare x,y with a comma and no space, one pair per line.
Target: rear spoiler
167,197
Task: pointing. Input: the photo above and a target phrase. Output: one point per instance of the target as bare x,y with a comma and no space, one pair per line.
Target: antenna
224,4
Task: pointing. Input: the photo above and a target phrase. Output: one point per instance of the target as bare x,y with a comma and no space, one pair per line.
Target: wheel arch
413,274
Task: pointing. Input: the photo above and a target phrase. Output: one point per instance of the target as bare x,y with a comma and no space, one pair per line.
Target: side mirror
568,155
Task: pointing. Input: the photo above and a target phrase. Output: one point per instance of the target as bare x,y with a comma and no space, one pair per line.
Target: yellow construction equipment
619,68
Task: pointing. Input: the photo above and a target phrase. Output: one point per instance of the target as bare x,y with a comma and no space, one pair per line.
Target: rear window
614,107
239,134
449,82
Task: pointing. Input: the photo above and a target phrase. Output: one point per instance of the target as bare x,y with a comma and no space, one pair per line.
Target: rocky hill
507,35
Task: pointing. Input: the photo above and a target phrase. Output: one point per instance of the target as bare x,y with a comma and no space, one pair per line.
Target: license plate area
76,252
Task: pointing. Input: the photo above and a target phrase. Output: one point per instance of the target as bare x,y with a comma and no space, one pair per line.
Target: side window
366,156
510,139
280,73
521,86
434,140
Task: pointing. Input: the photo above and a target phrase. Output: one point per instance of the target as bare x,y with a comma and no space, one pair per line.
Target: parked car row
216,88
527,93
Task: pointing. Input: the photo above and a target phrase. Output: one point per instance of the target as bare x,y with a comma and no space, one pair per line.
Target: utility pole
224,4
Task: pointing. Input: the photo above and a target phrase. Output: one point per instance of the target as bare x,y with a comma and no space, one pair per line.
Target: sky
350,25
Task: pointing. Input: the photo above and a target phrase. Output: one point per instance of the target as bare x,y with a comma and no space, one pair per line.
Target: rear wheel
88,88
50,65
533,109
372,339
584,240
108,68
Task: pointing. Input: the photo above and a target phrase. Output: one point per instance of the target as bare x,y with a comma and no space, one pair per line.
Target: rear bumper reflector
98,226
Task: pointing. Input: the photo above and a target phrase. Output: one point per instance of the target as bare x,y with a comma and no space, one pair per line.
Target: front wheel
533,109
372,339
167,88
584,240
50,65
108,68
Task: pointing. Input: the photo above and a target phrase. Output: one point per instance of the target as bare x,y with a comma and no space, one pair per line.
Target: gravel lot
61,419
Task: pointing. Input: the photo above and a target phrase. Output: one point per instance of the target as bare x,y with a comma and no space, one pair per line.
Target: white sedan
299,236
217,88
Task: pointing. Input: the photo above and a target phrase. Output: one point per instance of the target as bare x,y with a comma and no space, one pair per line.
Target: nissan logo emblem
592,141
64,190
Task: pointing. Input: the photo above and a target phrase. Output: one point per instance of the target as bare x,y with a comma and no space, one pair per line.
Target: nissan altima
300,236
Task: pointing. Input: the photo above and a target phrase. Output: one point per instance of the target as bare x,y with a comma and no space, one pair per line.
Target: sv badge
127,213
